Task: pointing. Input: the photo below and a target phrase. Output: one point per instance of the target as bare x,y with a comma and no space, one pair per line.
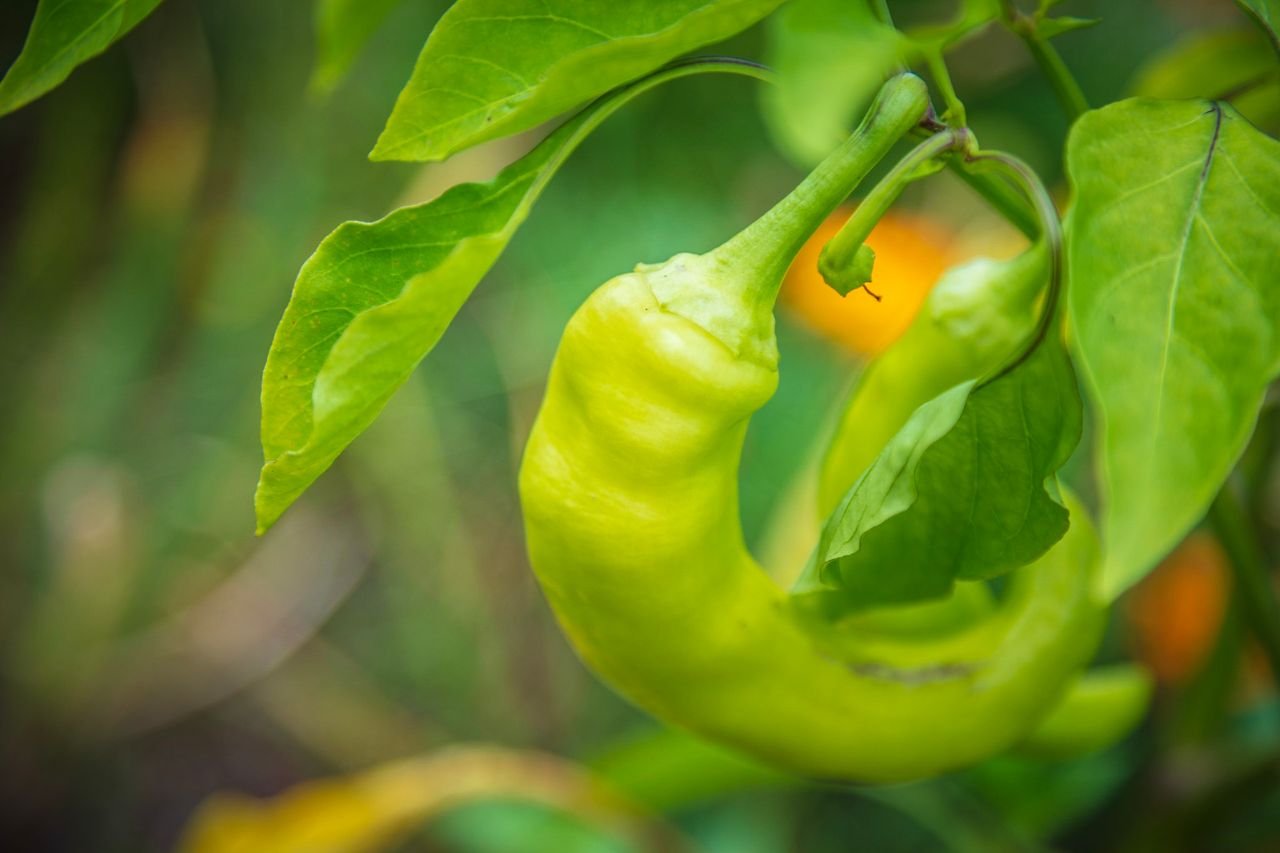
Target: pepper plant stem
1007,201
1051,233
1065,87
937,64
999,195
1248,566
767,246
839,252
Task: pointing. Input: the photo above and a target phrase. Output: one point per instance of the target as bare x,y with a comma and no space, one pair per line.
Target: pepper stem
1051,232
845,260
761,253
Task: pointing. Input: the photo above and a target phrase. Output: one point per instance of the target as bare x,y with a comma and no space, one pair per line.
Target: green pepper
629,487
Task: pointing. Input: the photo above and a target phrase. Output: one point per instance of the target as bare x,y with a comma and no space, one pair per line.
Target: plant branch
839,257
1246,86
767,246
1065,87
1010,203
1249,568
1051,231
937,65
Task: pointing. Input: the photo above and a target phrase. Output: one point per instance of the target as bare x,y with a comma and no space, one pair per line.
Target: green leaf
1266,14
343,28
1207,65
1051,27
831,57
971,322
1101,707
64,34
492,68
376,297
970,18
966,490
1172,241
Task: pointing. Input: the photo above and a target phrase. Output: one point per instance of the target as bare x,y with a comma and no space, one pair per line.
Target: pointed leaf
1050,27
492,68
1266,14
343,28
967,489
64,34
1172,241
831,57
1207,64
376,297
969,19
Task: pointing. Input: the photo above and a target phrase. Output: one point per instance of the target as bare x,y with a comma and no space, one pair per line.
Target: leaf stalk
1051,232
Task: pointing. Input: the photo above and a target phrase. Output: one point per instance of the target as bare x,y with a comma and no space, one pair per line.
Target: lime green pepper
630,492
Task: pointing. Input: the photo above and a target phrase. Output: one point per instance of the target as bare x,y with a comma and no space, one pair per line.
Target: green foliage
1039,799
1101,706
376,297
512,825
1266,14
491,68
343,28
1050,27
1218,64
831,56
968,326
965,490
159,203
64,34
971,16
1172,241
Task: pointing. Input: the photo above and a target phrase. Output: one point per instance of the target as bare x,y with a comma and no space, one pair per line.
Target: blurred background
154,211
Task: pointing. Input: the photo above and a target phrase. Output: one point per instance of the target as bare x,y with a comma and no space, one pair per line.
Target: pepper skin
629,487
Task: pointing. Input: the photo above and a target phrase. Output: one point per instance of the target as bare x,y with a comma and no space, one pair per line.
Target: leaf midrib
1193,211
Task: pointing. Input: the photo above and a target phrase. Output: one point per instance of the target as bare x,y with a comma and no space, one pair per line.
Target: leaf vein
1136,191
557,19
470,96
1172,313
1266,208
1250,285
479,60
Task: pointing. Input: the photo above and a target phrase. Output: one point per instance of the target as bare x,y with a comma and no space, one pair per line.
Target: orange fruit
911,254
1175,613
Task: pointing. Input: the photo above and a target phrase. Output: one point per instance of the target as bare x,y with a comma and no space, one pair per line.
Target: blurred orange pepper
1177,610
911,254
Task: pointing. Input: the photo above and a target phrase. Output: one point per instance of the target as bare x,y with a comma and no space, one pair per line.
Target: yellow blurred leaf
367,811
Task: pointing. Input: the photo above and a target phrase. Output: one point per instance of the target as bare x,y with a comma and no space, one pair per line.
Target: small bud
846,278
